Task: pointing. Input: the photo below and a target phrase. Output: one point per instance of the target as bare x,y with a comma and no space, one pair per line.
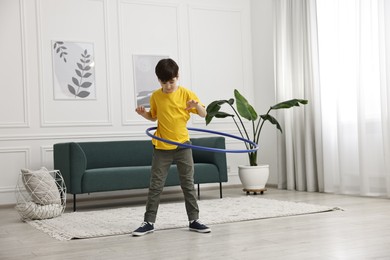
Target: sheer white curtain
333,53
296,73
355,96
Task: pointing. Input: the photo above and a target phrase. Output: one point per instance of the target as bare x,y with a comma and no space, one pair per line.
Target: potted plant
245,110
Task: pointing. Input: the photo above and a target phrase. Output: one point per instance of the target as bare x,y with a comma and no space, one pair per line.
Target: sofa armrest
70,159
217,158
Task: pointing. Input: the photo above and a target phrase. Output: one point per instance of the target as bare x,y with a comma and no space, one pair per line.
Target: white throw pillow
30,210
42,186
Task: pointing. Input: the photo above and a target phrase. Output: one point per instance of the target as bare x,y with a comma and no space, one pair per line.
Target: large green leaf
272,120
214,107
217,115
289,104
222,115
244,108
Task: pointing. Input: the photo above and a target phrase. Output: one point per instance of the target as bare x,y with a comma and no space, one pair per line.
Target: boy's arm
146,114
194,104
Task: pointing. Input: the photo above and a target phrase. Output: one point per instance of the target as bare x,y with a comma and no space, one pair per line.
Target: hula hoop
203,148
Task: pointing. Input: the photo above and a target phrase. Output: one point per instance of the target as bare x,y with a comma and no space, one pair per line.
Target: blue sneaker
197,226
144,229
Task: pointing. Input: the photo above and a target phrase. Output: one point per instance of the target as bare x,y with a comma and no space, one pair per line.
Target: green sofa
122,165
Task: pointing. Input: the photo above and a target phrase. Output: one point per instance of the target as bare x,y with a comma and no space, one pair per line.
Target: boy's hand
146,114
191,104
194,104
140,110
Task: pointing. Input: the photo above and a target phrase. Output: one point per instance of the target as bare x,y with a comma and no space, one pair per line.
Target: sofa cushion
137,177
116,178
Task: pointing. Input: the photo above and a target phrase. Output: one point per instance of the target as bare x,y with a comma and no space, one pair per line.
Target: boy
171,106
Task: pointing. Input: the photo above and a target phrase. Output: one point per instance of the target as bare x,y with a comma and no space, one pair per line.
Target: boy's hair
167,69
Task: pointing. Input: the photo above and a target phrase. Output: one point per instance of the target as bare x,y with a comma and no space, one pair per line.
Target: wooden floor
360,231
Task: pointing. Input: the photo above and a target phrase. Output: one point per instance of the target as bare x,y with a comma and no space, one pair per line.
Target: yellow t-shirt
172,116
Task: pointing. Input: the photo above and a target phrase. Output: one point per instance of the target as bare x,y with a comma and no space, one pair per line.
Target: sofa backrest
117,153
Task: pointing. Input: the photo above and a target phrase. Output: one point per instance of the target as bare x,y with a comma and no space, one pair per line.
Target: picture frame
145,79
73,70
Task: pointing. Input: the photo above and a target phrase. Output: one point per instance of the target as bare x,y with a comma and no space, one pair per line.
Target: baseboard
135,194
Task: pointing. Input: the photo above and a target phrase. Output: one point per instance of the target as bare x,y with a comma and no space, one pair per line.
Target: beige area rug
122,221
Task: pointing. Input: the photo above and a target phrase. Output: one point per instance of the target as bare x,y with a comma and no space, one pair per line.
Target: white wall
264,84
210,39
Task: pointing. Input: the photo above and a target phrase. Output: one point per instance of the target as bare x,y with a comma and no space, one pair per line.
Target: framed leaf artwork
73,70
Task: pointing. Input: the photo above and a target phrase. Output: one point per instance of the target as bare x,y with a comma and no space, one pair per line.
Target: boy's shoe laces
198,226
145,228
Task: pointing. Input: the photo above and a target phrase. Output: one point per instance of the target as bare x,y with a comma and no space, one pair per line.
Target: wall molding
85,135
125,103
18,149
214,8
23,47
44,121
7,189
94,135
245,56
26,153
47,150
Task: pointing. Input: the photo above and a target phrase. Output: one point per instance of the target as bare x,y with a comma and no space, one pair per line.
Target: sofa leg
220,190
74,202
198,191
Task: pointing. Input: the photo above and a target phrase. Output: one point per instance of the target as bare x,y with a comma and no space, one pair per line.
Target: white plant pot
253,177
